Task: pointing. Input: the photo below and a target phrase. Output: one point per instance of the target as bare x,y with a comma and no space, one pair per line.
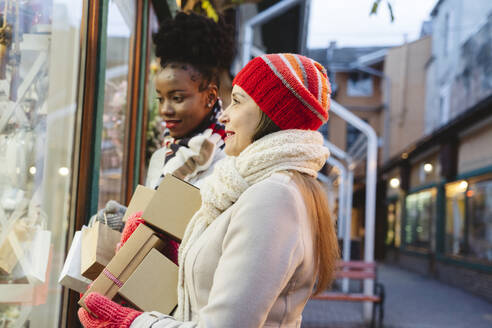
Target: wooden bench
358,270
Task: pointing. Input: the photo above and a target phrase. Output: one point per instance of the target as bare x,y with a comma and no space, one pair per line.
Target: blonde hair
325,240
326,248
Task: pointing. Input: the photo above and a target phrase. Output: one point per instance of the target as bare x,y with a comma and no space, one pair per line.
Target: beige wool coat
253,266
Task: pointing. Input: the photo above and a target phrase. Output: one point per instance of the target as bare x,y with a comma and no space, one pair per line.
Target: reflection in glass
420,219
455,218
480,220
155,124
394,224
121,17
39,65
469,219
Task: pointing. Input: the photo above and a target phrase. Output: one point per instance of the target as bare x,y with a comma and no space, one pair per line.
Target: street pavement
412,301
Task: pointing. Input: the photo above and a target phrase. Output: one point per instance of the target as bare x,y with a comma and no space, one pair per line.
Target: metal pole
334,150
348,225
305,12
371,172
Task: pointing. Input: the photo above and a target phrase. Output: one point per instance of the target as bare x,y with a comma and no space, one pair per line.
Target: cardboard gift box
70,275
153,284
124,263
140,199
172,206
98,248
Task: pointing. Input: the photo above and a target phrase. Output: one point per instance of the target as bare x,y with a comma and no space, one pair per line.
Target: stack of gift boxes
139,273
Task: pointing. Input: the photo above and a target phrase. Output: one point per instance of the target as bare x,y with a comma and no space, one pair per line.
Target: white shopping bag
37,256
33,255
70,276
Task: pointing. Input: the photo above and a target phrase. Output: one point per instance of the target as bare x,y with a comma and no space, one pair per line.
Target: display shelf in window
39,65
469,219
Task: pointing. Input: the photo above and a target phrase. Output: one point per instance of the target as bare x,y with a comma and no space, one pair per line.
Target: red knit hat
292,90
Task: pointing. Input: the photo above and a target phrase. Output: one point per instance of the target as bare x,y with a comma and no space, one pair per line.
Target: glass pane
155,124
121,18
394,224
39,67
479,243
455,217
390,235
420,214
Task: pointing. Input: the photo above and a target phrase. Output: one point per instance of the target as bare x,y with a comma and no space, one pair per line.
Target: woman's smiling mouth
229,134
171,124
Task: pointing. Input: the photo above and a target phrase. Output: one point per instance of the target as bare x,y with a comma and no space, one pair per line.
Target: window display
420,219
469,219
154,134
394,224
39,67
455,217
121,18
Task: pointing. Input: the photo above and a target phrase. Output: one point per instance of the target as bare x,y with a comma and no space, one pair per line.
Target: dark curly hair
196,40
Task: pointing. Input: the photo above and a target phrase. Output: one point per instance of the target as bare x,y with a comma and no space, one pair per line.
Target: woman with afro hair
195,54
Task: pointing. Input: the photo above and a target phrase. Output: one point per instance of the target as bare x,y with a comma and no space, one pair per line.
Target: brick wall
472,281
475,282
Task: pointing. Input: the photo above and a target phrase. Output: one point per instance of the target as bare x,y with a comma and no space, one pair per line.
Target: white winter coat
253,266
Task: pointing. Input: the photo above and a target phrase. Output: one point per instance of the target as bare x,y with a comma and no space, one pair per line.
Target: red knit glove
131,225
109,314
171,250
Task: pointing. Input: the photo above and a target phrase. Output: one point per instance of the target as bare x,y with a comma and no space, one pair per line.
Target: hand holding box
124,263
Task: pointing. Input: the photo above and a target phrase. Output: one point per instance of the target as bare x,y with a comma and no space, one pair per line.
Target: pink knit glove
130,226
171,250
109,314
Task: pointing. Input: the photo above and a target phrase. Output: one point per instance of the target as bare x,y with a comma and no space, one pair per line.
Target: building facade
438,180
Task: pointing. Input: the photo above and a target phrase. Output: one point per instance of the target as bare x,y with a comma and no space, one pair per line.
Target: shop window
469,219
420,219
39,83
359,84
394,224
155,125
121,17
455,217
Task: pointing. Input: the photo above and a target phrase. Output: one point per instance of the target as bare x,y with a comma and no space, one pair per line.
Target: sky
348,22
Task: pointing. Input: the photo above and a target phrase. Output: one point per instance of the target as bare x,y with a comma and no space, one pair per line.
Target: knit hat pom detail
292,90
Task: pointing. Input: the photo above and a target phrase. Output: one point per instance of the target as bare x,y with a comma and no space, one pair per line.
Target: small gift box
172,206
153,284
124,263
140,199
98,248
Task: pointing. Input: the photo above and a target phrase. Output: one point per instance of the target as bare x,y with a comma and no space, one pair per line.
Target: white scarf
298,150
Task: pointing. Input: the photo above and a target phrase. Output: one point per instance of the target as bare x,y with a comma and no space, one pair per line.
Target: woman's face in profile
241,119
182,105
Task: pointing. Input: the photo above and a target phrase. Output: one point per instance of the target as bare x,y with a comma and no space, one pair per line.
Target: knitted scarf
298,150
190,155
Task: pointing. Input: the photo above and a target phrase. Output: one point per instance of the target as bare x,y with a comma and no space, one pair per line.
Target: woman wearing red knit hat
263,237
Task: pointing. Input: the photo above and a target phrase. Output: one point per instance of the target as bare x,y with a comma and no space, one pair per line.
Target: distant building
454,22
438,174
